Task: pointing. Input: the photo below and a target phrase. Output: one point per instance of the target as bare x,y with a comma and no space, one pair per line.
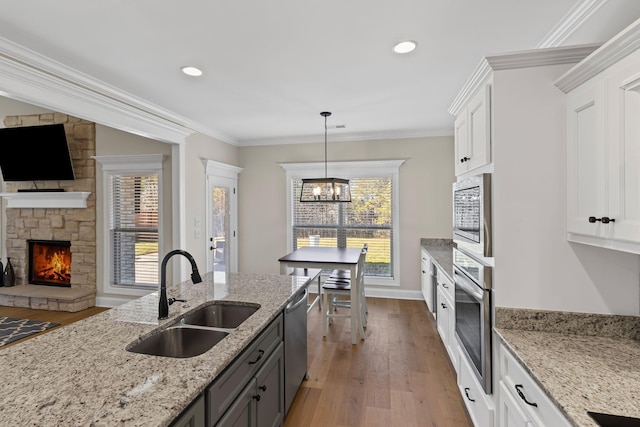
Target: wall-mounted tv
35,153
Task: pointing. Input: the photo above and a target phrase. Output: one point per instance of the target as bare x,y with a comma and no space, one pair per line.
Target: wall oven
472,215
473,314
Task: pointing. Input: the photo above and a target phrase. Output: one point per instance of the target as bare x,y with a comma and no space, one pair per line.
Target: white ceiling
270,67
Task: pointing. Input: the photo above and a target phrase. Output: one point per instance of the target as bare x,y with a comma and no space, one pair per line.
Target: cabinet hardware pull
523,397
260,354
257,397
444,285
423,272
466,393
604,219
263,387
443,305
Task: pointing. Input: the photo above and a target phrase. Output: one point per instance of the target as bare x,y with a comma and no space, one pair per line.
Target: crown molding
620,46
30,77
362,136
573,20
516,60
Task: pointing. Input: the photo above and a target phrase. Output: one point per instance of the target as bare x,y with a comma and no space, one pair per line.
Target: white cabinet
521,401
603,145
446,316
472,133
479,405
427,285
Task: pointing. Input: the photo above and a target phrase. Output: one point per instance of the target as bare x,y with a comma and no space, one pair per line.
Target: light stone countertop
81,374
441,251
588,367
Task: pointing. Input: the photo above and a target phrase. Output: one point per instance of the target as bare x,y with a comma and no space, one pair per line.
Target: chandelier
325,189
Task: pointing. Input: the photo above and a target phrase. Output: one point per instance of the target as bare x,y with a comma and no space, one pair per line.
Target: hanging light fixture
325,189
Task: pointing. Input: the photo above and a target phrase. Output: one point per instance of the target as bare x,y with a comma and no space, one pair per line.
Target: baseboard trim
394,294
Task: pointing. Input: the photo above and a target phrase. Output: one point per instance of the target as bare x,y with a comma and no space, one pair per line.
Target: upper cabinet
473,133
603,145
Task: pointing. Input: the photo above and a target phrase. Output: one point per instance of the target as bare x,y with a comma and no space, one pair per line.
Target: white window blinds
367,219
133,229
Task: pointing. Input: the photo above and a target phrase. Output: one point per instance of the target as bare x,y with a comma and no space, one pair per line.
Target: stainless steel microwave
472,215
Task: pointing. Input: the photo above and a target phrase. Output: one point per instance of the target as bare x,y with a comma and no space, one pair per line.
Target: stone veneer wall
76,225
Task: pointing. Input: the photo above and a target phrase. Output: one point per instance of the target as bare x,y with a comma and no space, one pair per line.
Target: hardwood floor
399,376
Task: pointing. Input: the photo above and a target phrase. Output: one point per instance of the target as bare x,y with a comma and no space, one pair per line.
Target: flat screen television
35,153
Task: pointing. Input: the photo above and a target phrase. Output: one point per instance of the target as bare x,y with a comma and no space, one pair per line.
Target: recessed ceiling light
405,46
192,71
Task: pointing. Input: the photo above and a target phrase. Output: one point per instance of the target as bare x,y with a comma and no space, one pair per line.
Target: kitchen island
82,374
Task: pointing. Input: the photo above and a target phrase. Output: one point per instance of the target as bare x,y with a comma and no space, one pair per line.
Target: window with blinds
133,229
367,219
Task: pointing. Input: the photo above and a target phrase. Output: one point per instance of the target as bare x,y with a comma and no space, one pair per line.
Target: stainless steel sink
180,342
219,314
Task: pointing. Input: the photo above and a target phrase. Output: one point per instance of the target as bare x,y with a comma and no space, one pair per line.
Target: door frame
216,171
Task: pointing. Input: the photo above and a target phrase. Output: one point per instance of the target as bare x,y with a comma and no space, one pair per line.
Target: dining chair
346,275
337,285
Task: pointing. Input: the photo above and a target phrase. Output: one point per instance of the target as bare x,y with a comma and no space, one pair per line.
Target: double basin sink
196,332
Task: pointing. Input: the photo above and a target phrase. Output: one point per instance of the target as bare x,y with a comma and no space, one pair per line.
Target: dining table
330,258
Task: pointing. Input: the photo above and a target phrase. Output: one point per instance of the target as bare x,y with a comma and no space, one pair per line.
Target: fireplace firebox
50,262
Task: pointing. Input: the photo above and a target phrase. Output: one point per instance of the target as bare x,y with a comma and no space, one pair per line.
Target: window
132,189
370,218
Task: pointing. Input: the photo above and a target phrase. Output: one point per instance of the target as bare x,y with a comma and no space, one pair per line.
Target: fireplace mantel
61,199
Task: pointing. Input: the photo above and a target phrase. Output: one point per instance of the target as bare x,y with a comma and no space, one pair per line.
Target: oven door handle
467,285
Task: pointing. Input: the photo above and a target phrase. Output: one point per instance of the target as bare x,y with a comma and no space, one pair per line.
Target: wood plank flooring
399,376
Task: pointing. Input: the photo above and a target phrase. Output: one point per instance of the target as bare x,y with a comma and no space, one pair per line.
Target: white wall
425,197
535,265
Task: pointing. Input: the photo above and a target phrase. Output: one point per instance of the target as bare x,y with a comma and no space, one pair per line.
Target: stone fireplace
72,224
50,262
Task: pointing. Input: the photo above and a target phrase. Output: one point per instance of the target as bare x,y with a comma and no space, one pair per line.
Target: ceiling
271,67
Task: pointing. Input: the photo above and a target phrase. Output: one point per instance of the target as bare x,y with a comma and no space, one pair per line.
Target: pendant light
325,189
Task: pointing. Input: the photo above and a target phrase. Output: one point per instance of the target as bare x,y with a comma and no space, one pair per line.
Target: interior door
221,227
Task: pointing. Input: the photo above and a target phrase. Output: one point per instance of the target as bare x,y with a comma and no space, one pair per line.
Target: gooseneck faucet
163,305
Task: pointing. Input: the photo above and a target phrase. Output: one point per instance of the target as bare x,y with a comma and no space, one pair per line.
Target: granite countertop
81,374
583,362
441,251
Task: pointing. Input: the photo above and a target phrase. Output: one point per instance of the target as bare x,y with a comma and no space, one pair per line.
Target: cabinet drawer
515,378
446,285
478,404
224,390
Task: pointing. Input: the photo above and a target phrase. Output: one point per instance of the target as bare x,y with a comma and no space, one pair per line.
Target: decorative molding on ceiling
577,16
30,77
363,136
620,46
514,60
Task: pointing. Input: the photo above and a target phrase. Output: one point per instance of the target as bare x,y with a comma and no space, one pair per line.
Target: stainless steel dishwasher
295,347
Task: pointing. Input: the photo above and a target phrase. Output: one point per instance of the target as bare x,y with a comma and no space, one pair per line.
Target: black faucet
163,305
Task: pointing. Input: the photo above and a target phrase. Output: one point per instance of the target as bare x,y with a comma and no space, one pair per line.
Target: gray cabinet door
270,383
193,417
242,413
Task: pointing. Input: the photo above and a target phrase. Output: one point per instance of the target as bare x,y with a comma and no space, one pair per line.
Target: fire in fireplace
50,262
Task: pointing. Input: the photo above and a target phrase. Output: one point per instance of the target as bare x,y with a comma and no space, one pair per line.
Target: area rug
12,329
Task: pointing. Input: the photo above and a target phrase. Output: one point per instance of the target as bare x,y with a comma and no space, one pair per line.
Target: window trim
352,169
146,164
